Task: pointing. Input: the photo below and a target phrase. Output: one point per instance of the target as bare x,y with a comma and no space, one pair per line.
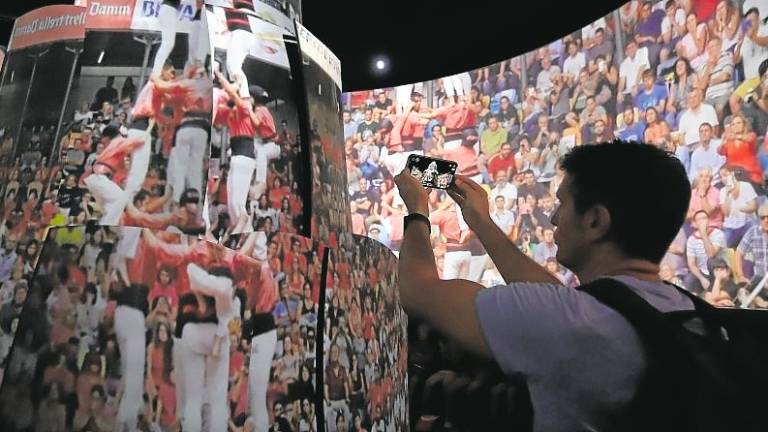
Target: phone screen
431,172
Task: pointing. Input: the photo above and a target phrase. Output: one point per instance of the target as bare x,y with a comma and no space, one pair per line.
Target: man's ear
597,222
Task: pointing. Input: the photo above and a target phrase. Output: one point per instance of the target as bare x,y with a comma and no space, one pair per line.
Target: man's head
190,200
499,201
631,49
549,235
648,79
501,178
705,177
629,116
572,48
714,48
346,116
362,184
529,178
110,81
705,133
599,128
605,196
493,123
20,292
645,10
368,114
506,150
762,214
694,98
168,72
469,137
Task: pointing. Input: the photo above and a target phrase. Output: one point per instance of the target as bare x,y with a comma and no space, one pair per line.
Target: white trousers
456,265
238,184
185,164
110,197
205,377
139,162
239,46
265,152
477,267
131,339
168,18
262,351
199,47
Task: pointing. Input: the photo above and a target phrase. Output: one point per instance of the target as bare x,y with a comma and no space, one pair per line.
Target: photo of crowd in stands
257,172
132,329
684,75
365,342
322,83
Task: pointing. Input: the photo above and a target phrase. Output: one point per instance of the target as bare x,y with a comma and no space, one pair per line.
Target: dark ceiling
423,38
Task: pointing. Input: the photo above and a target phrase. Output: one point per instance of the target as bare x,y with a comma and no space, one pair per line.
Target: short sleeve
519,322
745,245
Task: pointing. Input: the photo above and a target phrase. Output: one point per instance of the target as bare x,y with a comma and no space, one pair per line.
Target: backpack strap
667,358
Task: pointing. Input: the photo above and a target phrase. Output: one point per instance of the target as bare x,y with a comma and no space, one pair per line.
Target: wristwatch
416,217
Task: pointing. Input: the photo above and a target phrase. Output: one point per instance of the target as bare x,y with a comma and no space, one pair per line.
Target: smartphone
431,172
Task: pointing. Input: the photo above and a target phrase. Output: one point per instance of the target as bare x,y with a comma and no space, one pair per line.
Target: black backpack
716,381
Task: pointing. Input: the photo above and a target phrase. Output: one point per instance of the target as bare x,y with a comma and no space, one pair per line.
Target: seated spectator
706,154
694,41
544,82
705,197
492,137
631,130
656,129
546,249
673,24
705,243
575,62
600,133
724,287
527,156
753,247
504,188
651,94
502,216
696,114
504,160
634,63
682,84
530,186
725,24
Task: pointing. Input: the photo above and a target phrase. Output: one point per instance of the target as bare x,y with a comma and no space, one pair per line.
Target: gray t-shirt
582,360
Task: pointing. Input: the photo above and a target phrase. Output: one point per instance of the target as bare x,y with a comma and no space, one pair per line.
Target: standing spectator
751,51
634,63
705,243
716,75
753,247
504,160
105,94
739,204
740,149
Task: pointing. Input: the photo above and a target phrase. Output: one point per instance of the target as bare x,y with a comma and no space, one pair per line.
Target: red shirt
114,155
456,117
168,291
466,157
498,163
266,128
448,221
743,153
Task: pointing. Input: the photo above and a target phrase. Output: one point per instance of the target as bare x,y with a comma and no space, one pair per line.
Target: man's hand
472,199
414,195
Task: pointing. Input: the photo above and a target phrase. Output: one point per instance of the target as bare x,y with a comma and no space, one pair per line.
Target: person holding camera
534,325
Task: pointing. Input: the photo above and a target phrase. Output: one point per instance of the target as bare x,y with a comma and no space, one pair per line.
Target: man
751,51
107,93
753,247
716,75
12,309
528,326
546,249
350,126
504,160
706,154
575,62
368,127
502,216
363,199
629,73
697,114
457,252
505,189
651,95
530,186
648,31
7,258
601,133
544,81
337,394
492,138
739,204
632,131
602,47
705,243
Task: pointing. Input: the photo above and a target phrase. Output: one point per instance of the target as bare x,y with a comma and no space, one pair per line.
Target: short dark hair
630,178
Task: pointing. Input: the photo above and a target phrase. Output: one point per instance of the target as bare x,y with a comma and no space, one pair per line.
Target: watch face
431,172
